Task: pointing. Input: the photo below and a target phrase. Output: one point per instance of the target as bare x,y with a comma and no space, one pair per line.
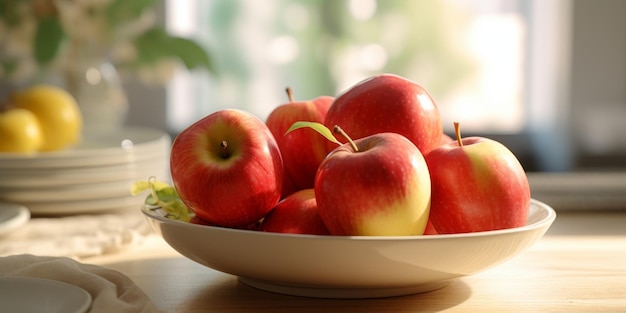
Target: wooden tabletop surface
579,266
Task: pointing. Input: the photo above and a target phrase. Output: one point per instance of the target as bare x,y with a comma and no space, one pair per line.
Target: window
469,55
501,67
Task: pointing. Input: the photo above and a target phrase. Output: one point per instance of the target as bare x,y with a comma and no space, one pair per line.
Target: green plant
41,34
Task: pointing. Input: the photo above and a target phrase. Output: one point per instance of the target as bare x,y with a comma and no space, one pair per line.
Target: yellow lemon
58,114
19,131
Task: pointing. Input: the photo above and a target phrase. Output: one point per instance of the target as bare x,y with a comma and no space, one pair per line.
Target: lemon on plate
20,131
57,112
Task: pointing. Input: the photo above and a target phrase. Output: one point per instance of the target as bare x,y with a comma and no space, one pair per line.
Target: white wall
598,76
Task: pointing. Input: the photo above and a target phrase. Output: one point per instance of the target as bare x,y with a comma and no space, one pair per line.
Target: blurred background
547,78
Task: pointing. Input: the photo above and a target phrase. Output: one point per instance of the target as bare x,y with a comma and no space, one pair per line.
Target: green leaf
150,46
48,38
168,199
123,10
191,53
164,196
140,186
9,12
318,127
157,43
9,67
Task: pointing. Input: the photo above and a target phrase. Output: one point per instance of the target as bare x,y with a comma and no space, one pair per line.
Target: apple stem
457,132
225,153
289,94
339,130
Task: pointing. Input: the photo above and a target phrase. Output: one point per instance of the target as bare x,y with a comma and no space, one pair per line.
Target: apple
198,221
445,138
57,112
227,168
302,151
388,103
378,185
477,185
20,131
296,214
430,228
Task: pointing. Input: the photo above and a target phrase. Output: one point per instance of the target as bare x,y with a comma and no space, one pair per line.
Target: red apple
227,168
196,220
378,185
477,185
296,214
445,139
430,228
388,103
302,151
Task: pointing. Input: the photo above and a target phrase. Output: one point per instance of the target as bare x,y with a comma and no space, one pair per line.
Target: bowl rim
545,221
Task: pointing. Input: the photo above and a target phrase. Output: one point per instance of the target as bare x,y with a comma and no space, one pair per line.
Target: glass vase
99,93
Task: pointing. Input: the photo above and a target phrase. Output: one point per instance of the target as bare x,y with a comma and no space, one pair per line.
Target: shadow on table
230,295
185,286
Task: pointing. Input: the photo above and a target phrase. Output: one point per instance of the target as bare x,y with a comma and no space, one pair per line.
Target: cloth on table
110,290
77,236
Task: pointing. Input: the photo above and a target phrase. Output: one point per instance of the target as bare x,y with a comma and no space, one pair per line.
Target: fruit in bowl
296,214
227,168
302,151
376,196
348,266
374,186
477,185
388,103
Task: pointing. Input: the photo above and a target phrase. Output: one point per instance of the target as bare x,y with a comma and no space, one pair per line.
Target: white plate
46,178
34,295
349,267
120,188
125,146
84,206
12,217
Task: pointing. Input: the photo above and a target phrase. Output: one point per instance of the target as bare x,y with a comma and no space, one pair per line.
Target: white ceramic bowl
348,267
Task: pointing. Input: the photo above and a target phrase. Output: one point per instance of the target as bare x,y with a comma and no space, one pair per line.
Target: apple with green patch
477,185
374,186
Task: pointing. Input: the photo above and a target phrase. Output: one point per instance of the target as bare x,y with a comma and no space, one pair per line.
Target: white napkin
111,291
77,236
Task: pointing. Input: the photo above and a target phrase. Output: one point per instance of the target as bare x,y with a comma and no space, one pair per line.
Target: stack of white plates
94,176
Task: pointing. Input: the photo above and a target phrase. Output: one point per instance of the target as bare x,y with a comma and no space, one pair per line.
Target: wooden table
579,266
